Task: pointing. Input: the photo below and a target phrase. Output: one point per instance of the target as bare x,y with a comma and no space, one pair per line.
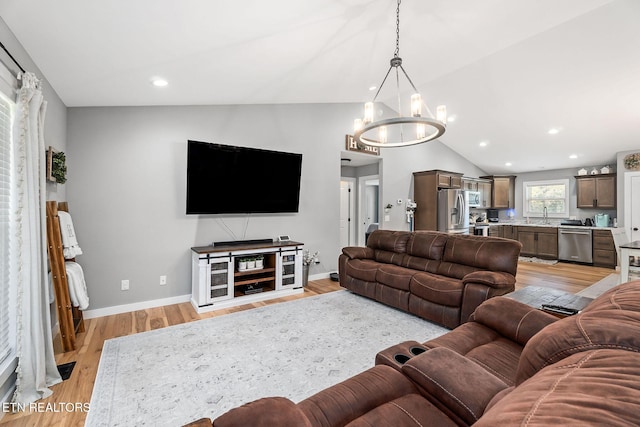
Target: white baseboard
126,308
319,276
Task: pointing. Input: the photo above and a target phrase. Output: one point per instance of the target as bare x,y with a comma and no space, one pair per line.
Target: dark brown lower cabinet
541,242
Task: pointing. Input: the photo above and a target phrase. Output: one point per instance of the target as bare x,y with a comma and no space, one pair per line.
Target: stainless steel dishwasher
575,244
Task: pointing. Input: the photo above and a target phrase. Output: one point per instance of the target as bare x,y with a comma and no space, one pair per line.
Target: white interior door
369,201
632,216
347,212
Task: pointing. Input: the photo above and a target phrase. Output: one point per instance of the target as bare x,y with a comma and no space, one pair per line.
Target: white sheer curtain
36,363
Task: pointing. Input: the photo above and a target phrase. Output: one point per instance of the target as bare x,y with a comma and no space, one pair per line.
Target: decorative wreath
632,161
59,168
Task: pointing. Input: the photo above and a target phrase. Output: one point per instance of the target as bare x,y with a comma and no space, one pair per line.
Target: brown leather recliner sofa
437,276
510,365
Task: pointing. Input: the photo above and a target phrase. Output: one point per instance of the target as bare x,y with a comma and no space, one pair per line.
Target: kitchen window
550,194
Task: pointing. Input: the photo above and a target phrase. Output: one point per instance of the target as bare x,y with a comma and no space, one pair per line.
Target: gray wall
127,175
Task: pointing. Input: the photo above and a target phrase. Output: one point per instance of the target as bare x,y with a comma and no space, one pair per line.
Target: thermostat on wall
284,238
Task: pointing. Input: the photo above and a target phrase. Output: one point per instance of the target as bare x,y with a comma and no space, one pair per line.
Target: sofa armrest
494,279
460,384
512,319
266,412
358,252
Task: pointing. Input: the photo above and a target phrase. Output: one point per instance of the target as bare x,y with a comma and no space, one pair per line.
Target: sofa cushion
390,241
592,388
421,264
483,345
411,410
512,319
469,251
394,276
437,289
427,244
623,297
388,257
462,386
582,332
362,269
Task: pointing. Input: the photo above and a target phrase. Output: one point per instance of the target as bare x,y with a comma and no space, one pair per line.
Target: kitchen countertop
553,224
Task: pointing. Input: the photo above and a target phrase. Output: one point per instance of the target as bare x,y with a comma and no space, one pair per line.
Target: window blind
7,313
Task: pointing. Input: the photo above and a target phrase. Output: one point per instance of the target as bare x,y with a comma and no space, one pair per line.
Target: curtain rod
12,58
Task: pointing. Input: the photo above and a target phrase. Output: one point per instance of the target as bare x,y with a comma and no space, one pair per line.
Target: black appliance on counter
492,215
575,222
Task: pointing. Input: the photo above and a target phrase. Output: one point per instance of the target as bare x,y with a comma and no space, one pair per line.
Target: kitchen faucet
545,215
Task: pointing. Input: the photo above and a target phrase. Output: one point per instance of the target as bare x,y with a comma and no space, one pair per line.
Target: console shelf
218,282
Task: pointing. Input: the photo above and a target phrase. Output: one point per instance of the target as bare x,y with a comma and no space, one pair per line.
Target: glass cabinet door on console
217,273
290,269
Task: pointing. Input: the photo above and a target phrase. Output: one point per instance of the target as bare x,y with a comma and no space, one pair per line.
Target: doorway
632,205
360,196
369,202
347,212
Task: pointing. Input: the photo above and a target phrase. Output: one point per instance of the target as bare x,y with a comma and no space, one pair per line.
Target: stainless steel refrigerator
453,211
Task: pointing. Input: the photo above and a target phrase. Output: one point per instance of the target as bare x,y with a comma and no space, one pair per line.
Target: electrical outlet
163,280
124,285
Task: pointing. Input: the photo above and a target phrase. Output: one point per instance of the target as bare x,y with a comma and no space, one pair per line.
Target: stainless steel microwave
475,199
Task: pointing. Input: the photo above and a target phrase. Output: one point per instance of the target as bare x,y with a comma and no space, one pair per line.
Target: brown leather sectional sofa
509,365
437,276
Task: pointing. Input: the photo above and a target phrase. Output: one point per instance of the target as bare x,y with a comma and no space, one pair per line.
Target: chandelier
421,126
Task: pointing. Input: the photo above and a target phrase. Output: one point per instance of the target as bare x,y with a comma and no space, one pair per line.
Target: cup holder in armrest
401,358
417,350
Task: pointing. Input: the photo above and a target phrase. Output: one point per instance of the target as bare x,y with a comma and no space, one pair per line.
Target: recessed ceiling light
508,164
553,131
573,156
158,82
373,88
483,144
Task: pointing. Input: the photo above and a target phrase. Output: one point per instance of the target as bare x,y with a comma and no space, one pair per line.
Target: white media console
234,274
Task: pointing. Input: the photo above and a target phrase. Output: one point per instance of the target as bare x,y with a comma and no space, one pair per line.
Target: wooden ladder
69,317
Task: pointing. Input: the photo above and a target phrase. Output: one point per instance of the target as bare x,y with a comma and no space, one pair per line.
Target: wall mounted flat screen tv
224,179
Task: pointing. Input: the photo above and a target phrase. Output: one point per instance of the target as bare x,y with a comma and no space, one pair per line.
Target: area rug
601,286
537,260
175,375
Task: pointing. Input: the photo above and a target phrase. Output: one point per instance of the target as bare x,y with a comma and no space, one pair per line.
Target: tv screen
223,179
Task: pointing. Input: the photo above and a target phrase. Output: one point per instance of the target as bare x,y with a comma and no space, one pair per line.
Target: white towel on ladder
77,286
70,246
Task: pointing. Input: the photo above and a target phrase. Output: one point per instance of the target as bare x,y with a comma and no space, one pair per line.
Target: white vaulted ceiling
509,70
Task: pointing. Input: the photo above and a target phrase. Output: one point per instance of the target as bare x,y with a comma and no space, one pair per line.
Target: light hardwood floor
567,277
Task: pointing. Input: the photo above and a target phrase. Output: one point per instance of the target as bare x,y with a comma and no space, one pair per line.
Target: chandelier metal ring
433,124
